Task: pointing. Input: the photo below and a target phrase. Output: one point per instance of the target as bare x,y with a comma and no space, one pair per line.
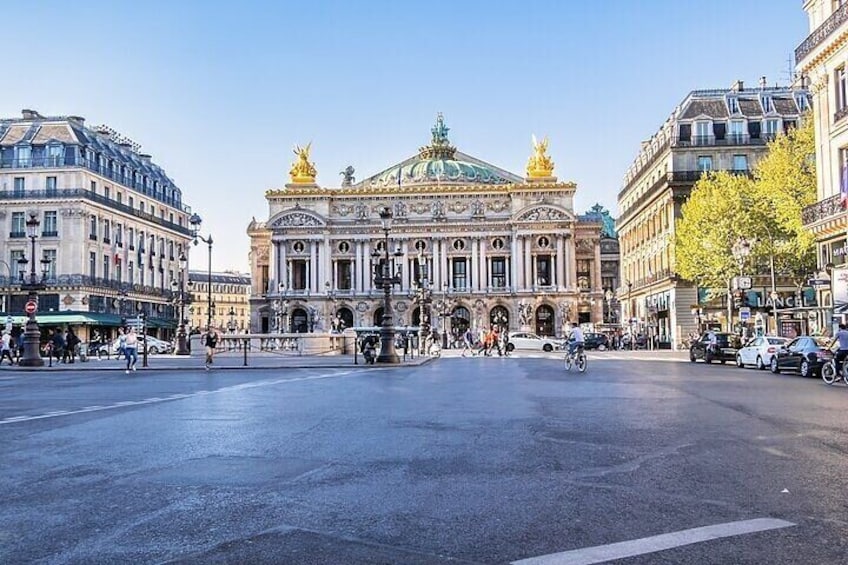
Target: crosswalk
665,356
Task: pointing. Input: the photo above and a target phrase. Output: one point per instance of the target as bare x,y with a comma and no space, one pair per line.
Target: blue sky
219,92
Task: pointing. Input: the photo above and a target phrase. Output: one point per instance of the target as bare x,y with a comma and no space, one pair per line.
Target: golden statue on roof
540,164
303,170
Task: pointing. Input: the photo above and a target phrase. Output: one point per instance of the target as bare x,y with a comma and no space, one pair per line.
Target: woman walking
131,349
211,343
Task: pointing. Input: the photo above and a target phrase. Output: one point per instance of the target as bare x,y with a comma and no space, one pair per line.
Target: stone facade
719,129
489,239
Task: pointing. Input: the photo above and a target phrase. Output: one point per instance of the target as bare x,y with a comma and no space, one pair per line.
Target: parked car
759,351
527,340
597,341
726,347
804,354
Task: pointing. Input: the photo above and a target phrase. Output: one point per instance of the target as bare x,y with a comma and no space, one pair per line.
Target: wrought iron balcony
831,24
67,193
822,210
840,113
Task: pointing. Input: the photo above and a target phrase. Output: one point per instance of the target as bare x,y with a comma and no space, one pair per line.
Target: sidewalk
224,360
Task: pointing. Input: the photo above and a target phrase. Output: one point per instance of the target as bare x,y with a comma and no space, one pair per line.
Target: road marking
157,400
621,550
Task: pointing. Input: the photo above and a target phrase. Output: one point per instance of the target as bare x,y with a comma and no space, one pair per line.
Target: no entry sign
31,307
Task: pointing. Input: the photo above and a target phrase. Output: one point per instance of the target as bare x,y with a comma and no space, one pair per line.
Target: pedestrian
211,342
467,342
58,341
131,349
71,344
122,344
505,341
6,348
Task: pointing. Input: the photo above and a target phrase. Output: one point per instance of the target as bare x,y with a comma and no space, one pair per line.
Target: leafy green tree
714,219
785,183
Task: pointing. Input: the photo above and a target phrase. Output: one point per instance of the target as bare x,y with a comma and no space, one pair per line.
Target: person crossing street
211,342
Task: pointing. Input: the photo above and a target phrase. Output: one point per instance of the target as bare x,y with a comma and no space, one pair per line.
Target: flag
115,257
843,186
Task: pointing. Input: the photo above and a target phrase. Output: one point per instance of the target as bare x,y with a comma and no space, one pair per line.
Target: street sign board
31,307
818,283
745,313
8,322
742,283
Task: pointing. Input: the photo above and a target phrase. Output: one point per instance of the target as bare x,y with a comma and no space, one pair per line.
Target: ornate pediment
543,214
296,219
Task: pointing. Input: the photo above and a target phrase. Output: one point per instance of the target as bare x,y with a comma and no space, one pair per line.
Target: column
357,268
437,275
313,262
529,280
560,264
284,267
596,271
327,263
485,268
475,265
407,268
572,262
444,267
366,266
513,263
334,284
273,266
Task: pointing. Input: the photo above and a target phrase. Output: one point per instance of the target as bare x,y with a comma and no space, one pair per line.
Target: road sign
8,322
742,283
818,283
744,313
31,307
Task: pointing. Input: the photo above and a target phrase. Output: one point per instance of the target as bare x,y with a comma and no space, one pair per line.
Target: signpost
30,308
745,313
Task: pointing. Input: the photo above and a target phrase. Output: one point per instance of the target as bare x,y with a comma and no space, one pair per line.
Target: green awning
69,318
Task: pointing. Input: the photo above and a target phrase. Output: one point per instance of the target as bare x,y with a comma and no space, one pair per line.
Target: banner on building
839,280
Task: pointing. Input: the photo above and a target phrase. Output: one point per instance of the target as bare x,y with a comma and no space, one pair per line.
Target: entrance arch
346,316
299,321
499,316
460,321
544,320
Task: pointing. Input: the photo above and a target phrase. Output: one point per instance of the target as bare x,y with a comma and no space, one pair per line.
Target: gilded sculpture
303,170
540,164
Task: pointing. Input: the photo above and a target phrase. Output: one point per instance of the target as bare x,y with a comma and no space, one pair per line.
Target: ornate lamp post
181,298
32,335
444,307
631,312
421,295
195,222
383,277
608,295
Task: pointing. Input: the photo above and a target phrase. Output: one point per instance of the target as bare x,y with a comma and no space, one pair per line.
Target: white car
527,340
759,351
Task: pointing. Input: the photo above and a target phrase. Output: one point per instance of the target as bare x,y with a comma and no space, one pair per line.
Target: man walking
6,348
841,337
211,343
131,349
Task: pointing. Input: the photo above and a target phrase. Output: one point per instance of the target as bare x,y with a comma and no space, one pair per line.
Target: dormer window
733,105
768,104
803,103
54,155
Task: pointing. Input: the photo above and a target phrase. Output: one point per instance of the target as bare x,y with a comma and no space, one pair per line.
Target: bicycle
578,359
830,375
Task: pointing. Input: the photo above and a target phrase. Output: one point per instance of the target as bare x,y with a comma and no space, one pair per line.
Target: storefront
659,319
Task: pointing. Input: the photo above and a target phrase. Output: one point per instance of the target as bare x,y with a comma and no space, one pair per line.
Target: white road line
603,553
156,399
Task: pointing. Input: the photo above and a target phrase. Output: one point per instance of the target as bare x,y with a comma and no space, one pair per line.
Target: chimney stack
762,82
30,114
738,86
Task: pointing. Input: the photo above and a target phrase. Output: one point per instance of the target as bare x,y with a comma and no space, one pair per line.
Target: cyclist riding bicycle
575,339
841,337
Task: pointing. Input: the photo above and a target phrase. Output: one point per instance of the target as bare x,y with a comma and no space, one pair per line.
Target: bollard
246,341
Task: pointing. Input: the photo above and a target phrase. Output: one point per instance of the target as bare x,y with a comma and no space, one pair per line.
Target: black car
596,341
804,354
725,349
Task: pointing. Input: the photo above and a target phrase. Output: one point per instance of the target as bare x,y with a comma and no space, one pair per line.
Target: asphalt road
478,460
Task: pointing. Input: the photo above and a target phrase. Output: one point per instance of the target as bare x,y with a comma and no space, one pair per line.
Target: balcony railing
728,140
822,210
841,113
97,283
831,24
94,197
63,162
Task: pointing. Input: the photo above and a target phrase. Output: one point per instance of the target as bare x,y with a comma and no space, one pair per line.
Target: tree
785,183
715,217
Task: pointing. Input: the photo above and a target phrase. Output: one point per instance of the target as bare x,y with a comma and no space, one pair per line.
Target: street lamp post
630,310
383,277
195,222
421,296
231,324
32,335
740,251
181,298
444,307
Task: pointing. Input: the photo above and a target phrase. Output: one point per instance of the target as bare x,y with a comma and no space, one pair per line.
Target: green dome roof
438,163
